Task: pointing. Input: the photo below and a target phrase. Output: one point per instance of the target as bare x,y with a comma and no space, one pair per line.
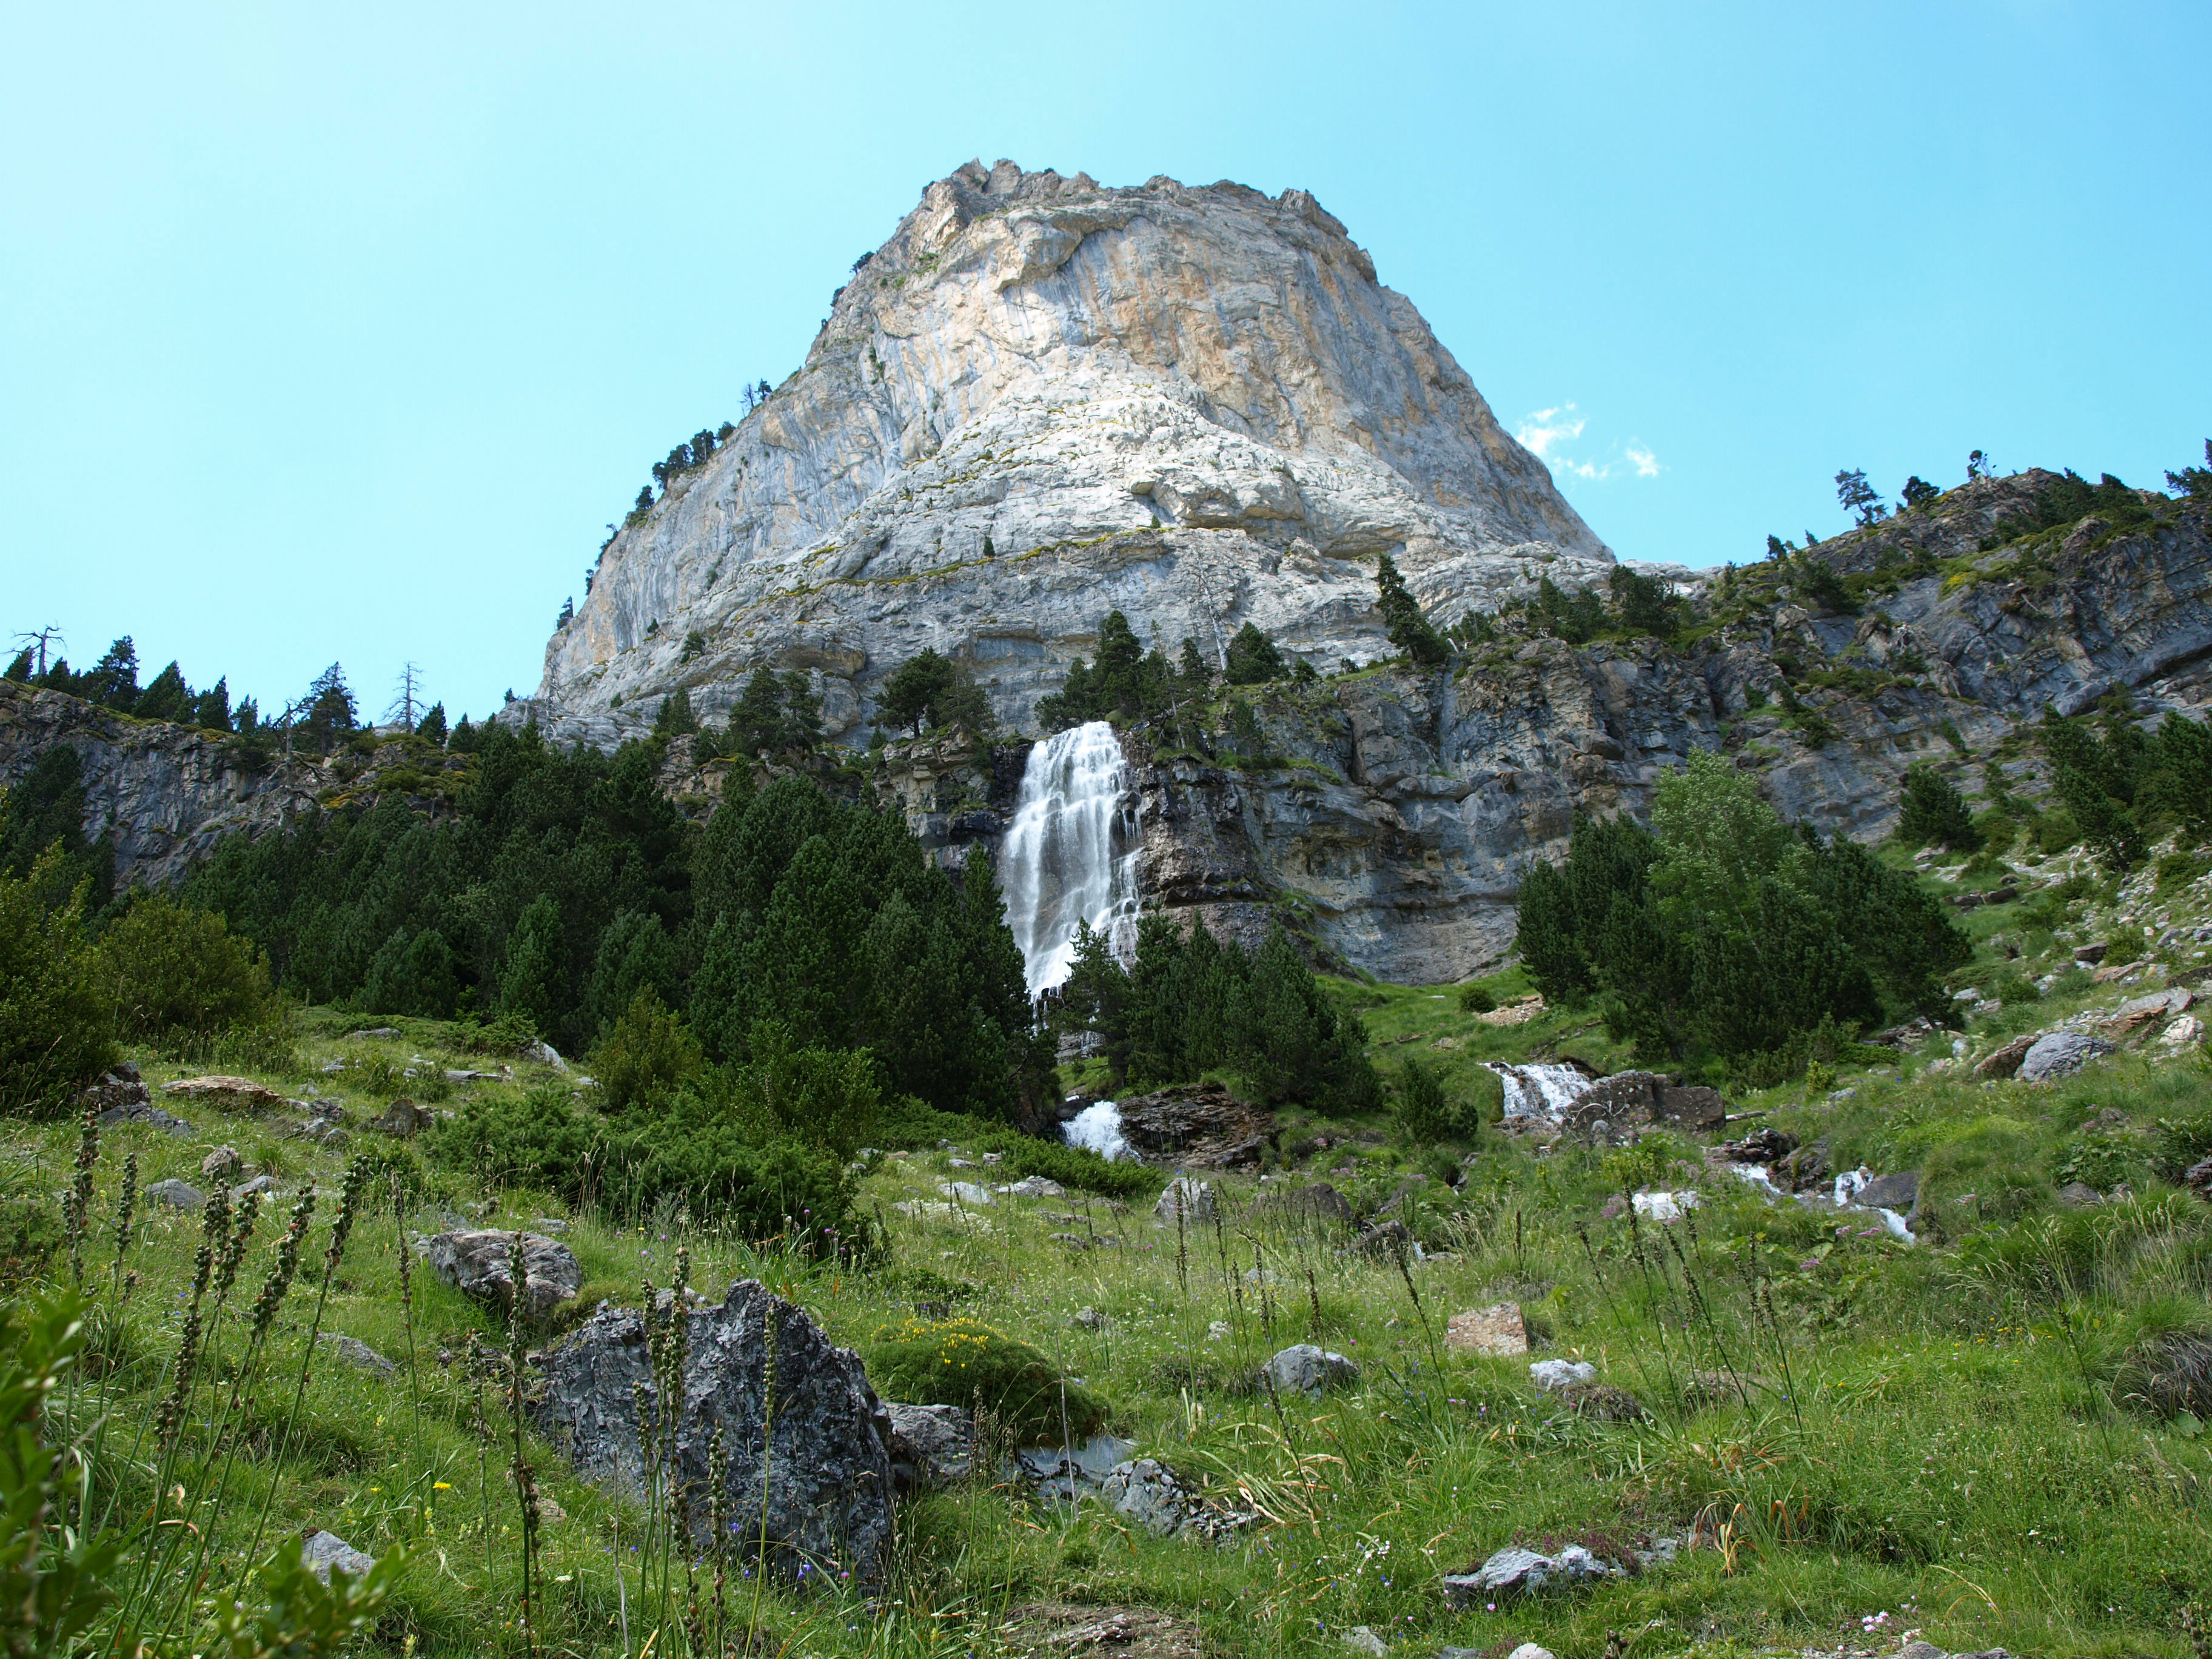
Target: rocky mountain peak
1041,399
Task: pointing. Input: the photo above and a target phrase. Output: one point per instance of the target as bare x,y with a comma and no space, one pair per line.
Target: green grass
1934,1433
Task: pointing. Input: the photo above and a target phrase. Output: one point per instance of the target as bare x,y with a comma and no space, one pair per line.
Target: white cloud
1548,432
1547,427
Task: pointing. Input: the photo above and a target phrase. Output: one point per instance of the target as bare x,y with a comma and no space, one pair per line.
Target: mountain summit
1041,400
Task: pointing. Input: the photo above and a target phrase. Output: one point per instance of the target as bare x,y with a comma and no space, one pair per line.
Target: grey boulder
1309,1371
824,1491
355,1352
931,1446
1145,1490
477,1262
221,1163
2060,1053
1518,1571
1191,1199
321,1550
176,1195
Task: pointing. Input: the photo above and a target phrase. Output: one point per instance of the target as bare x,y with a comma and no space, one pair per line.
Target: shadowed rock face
1195,404
826,1504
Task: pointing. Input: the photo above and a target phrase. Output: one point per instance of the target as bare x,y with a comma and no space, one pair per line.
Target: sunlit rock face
1041,400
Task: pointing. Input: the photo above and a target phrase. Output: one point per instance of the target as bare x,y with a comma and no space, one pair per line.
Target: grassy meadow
1862,1439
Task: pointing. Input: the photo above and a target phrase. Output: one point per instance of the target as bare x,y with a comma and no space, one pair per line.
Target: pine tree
432,728
756,722
1191,671
166,697
1409,630
1930,810
1859,497
329,715
673,720
1253,658
113,680
212,710
634,956
911,694
533,980
20,670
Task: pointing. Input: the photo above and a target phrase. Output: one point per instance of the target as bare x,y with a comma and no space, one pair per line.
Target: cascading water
1098,1127
1539,1094
1070,856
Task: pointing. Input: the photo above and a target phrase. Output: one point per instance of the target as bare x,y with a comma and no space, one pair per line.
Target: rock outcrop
1040,400
825,1498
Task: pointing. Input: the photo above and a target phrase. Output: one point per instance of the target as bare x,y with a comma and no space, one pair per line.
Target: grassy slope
1940,1444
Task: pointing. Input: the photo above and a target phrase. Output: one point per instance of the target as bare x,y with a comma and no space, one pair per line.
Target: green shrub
1078,1167
30,1235
1931,809
646,1052
1475,999
2055,831
170,970
1427,1113
689,1152
962,1362
56,1029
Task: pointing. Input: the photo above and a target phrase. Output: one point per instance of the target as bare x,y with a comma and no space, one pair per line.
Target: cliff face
1391,814
1039,401
165,793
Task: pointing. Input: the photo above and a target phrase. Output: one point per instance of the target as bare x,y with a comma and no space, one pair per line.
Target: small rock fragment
321,1550
356,1352
221,1163
1309,1371
1495,1330
176,1195
1549,1374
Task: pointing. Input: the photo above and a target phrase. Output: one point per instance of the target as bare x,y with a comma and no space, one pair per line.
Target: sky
342,333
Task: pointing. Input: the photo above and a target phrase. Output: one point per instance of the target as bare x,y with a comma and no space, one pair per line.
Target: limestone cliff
165,793
1389,815
1042,399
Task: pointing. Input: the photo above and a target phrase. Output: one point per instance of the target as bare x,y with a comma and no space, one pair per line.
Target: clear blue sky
341,332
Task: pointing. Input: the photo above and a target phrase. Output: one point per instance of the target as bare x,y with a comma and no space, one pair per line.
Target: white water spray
1540,1094
1070,855
1099,1128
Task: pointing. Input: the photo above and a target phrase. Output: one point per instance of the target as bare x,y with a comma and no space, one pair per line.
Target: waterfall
1099,1128
1539,1094
1070,855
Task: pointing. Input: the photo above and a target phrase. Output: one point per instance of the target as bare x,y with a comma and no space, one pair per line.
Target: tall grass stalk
350,1189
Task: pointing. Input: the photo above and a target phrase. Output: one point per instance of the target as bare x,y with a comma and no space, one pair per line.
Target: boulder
1147,1492
1761,1146
828,1475
355,1352
1899,1192
176,1195
1693,1106
2180,1033
931,1446
1494,1330
231,1094
1549,1374
1516,1571
1191,1199
321,1550
2199,1178
402,1119
221,1163
1195,1125
1530,1651
1387,1241
2005,1062
261,1186
967,1193
2080,1195
1307,1370
1036,1186
1362,1638
2138,1012
2060,1053
476,1261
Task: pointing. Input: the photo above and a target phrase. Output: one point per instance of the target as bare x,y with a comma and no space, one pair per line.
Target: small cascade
1540,1094
1098,1127
1070,855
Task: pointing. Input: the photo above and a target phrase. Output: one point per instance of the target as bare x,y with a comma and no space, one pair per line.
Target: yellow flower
441,1485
